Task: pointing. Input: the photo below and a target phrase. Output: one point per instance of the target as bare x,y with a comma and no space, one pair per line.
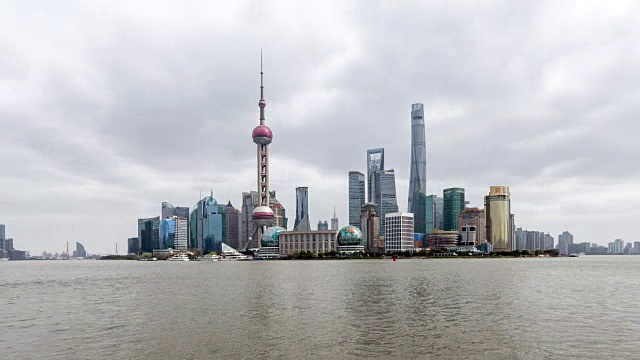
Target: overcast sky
109,108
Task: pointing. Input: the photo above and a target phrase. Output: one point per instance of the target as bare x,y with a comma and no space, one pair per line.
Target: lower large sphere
349,235
270,237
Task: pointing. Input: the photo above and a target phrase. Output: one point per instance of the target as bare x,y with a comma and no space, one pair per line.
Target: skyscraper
302,210
564,240
250,201
434,207
375,163
169,210
279,212
497,215
263,215
385,194
334,220
2,239
79,252
418,171
419,212
356,197
453,205
174,233
210,225
398,232
133,246
232,226
370,228
149,234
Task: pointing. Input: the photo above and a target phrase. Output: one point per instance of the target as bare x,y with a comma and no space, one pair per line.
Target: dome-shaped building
270,237
350,240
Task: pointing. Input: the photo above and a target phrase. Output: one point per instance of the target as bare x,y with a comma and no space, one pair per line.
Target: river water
582,308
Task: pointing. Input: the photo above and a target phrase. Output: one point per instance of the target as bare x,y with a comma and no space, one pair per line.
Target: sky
109,108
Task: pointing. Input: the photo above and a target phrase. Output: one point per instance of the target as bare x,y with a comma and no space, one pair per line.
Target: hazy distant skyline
110,108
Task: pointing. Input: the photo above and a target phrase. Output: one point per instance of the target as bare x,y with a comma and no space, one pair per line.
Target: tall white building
398,231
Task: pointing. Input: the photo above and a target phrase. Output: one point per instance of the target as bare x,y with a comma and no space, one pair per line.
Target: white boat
179,257
235,257
4,259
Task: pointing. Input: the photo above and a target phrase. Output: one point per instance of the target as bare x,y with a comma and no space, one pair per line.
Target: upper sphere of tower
262,103
262,135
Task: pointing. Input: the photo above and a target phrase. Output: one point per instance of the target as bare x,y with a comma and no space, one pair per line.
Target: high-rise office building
453,204
79,252
3,237
564,241
375,163
498,217
398,232
210,225
250,201
334,220
356,197
418,171
279,213
385,194
169,210
133,246
174,233
149,234
370,228
232,226
616,247
419,202
302,210
433,213
474,217
263,215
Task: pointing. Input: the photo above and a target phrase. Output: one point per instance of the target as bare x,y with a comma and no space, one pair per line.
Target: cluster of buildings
7,251
375,222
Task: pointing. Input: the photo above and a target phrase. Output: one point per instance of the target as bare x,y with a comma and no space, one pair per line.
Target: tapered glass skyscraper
418,171
356,197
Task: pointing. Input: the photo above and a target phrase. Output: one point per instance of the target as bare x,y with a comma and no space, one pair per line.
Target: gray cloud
109,109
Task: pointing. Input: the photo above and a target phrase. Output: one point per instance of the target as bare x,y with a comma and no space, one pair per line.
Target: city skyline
99,127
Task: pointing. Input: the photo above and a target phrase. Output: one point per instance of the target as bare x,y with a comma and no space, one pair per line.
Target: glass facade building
375,163
210,225
356,197
418,171
420,212
149,234
302,210
385,196
453,199
174,233
433,213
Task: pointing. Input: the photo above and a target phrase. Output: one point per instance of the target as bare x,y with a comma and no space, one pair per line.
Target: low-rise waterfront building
292,242
440,239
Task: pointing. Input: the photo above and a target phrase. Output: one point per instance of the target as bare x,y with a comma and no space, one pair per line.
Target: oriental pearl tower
262,215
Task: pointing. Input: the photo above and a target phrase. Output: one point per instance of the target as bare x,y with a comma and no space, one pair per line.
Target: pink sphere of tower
262,135
263,216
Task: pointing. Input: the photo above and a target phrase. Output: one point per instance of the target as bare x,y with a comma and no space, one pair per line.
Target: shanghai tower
418,173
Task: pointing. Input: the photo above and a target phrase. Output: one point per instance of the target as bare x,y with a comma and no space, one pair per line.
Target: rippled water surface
582,308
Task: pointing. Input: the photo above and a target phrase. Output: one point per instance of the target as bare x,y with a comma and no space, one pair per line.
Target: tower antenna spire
262,102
